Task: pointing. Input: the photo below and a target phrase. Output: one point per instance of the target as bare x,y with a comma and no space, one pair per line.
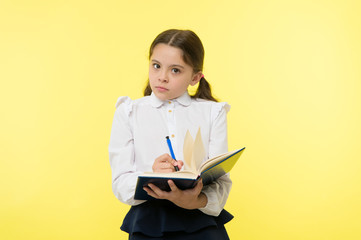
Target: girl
137,144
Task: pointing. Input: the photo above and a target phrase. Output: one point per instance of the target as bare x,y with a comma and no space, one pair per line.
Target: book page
179,174
215,159
198,150
188,148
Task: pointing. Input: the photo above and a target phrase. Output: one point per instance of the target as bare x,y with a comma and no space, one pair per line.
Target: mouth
161,89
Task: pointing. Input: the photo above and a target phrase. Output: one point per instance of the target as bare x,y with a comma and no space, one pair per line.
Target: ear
196,78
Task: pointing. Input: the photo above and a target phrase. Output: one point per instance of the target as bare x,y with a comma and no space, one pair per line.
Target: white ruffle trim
217,107
127,104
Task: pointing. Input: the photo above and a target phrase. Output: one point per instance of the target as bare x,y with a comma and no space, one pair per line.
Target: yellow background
290,70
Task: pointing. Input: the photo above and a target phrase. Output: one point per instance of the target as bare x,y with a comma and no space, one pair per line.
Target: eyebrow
173,65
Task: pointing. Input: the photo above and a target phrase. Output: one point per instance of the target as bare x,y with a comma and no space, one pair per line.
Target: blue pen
171,151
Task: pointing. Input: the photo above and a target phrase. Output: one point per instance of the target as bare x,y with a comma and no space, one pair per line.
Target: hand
188,199
166,163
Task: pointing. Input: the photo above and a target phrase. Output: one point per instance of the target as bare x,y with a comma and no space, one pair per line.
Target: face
169,75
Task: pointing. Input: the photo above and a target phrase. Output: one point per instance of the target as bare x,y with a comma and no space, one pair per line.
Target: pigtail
204,91
147,90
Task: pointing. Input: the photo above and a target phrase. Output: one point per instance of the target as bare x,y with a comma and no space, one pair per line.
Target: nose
163,76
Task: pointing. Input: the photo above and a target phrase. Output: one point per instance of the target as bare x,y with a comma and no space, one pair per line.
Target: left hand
188,199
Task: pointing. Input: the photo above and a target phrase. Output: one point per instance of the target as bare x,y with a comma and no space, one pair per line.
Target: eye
156,65
175,70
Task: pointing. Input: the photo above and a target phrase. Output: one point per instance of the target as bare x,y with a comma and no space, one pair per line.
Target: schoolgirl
137,145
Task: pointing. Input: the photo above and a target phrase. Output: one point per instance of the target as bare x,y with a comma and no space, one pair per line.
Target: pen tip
167,137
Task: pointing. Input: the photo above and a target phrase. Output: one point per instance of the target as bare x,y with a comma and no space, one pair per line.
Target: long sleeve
218,191
121,154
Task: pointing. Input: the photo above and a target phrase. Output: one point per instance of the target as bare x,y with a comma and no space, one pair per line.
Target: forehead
165,53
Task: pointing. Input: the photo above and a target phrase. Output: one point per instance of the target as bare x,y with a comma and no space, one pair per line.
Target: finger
173,162
180,164
150,192
176,165
157,165
156,191
167,167
199,186
162,166
172,186
168,159
169,163
164,158
200,182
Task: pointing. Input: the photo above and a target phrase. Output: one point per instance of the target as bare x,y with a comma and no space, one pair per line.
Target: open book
193,153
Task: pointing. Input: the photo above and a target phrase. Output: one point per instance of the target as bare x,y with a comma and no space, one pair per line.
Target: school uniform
138,138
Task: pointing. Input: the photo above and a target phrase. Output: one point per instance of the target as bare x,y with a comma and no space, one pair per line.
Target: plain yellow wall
289,69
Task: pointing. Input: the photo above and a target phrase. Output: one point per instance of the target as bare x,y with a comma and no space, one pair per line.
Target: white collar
185,100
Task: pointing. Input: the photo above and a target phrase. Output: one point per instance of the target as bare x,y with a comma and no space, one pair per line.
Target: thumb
199,185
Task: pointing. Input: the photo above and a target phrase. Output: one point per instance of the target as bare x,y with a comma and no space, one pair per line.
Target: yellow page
187,152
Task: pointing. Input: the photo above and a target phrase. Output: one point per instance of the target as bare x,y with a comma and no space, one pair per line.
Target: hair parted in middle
193,55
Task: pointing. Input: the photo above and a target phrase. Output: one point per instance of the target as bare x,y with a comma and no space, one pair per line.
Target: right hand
165,163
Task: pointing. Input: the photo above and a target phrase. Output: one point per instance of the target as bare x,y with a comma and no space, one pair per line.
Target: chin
162,97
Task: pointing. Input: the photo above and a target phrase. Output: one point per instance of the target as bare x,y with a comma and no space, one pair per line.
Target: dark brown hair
193,55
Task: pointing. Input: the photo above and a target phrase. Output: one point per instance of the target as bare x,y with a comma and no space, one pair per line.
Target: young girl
138,144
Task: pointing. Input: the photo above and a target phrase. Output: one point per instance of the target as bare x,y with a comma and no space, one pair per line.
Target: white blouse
138,138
